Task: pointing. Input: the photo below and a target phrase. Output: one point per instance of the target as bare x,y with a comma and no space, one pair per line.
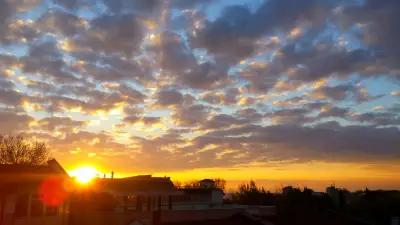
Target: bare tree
220,183
21,150
192,184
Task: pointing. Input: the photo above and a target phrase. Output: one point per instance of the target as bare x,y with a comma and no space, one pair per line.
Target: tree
220,183
250,194
192,184
21,150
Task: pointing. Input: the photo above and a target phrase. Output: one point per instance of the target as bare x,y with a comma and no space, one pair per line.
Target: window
21,207
36,206
51,211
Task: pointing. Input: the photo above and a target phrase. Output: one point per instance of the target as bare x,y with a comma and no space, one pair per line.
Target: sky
299,92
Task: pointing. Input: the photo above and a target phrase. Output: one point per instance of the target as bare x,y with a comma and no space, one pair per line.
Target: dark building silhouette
33,194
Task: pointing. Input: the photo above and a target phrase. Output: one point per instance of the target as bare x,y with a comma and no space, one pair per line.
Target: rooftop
19,173
144,184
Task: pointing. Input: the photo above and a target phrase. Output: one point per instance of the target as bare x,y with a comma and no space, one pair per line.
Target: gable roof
21,173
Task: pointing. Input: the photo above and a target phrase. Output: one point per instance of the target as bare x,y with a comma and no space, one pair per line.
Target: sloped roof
136,185
20,173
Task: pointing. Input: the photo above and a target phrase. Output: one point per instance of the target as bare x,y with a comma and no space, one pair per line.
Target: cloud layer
166,85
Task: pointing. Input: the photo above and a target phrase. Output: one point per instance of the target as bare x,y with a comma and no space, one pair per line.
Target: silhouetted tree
21,150
192,184
220,183
178,184
250,194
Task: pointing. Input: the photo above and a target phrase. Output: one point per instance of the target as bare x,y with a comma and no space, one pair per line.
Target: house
202,196
33,194
207,183
139,193
129,200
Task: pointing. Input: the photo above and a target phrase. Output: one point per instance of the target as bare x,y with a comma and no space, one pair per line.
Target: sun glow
84,174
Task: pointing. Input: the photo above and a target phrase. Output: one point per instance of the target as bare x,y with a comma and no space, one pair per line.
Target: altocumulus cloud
203,83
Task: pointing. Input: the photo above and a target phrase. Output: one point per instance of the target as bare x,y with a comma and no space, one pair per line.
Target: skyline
301,91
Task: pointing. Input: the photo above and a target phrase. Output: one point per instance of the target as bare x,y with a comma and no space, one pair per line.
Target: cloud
13,123
395,93
61,23
191,115
169,97
341,92
10,97
239,27
46,59
146,120
223,121
378,118
180,63
116,34
379,30
64,124
213,84
290,116
287,142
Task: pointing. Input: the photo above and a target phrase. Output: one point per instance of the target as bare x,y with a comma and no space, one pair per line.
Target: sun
84,174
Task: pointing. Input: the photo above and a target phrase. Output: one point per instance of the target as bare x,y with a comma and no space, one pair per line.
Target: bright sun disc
84,174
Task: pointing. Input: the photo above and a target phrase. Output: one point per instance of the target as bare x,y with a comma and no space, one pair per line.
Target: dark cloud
311,64
285,142
179,60
333,111
46,59
380,29
239,27
290,116
260,77
222,121
9,8
169,97
228,96
93,101
111,68
116,34
64,124
8,95
61,23
191,115
342,92
126,6
378,118
12,123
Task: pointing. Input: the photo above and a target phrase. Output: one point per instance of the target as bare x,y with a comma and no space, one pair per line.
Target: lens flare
53,192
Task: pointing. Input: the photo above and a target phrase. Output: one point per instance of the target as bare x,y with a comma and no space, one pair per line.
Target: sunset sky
301,92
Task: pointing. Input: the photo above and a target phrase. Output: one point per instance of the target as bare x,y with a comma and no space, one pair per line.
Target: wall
48,220
197,215
109,218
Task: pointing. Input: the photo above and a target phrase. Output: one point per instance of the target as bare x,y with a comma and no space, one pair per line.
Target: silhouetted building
204,195
33,194
207,183
139,193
